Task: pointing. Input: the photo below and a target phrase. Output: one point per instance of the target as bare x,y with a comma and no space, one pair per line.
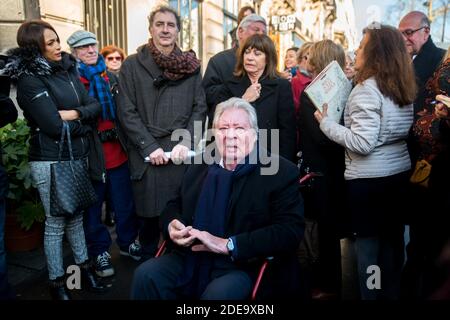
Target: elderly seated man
227,217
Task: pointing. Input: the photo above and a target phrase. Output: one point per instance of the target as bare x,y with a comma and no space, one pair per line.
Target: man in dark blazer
227,217
221,66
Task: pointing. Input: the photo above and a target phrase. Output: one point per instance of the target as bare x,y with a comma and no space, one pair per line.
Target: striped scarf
99,86
177,64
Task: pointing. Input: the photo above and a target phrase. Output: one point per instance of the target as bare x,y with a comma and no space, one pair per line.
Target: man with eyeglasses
107,161
415,28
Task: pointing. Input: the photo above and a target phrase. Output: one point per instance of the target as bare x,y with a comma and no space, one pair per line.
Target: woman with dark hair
50,93
257,81
377,118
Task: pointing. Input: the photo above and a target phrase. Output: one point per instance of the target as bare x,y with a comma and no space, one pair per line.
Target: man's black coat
265,217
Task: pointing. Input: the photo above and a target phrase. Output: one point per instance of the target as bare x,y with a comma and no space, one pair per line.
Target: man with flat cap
107,161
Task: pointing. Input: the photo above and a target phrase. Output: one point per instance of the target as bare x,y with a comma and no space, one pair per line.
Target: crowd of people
140,123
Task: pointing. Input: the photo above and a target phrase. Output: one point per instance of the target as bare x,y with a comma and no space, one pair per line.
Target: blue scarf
99,87
211,215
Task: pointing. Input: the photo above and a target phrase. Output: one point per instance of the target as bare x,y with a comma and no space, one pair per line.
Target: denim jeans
387,253
56,226
377,225
98,238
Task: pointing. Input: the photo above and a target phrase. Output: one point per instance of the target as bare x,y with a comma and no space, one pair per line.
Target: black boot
88,279
58,290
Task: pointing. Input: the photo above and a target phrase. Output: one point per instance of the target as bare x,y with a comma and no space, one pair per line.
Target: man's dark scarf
177,65
211,215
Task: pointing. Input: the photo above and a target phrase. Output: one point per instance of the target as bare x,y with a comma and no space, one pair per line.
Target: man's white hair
251,18
236,103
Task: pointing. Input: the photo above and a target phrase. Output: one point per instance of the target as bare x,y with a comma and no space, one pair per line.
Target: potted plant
24,209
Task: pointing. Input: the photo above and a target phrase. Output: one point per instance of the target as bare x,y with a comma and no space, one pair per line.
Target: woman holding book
377,118
324,200
257,81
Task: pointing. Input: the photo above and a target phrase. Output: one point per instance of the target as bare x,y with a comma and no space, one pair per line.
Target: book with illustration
332,87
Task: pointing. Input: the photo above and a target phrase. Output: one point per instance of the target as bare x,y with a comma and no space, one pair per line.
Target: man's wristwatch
230,246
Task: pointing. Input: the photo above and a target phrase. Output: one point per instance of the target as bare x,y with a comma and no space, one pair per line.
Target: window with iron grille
230,12
108,20
190,33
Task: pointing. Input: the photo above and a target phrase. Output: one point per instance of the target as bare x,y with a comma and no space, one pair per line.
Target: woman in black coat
324,200
49,92
257,81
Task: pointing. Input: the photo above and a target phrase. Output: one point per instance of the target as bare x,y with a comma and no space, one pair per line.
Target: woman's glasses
119,58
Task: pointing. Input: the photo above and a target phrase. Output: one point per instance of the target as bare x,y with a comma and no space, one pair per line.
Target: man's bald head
415,27
417,16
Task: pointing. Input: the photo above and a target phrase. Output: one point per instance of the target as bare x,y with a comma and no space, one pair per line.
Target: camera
115,89
108,135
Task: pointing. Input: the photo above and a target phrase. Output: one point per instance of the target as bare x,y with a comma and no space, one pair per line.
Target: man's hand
179,153
158,158
179,233
209,242
69,115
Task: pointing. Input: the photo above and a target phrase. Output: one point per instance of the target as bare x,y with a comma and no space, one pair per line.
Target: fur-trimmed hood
28,61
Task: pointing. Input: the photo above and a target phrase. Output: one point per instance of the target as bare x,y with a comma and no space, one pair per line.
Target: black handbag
71,190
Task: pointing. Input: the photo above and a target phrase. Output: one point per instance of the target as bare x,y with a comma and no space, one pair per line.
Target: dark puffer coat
44,88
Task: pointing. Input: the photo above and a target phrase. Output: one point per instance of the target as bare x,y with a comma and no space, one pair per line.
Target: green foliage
22,195
29,213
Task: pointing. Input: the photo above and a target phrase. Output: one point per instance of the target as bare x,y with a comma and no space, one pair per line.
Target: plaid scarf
177,64
99,86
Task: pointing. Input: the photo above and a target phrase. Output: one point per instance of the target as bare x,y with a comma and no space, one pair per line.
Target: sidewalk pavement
27,273
27,266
